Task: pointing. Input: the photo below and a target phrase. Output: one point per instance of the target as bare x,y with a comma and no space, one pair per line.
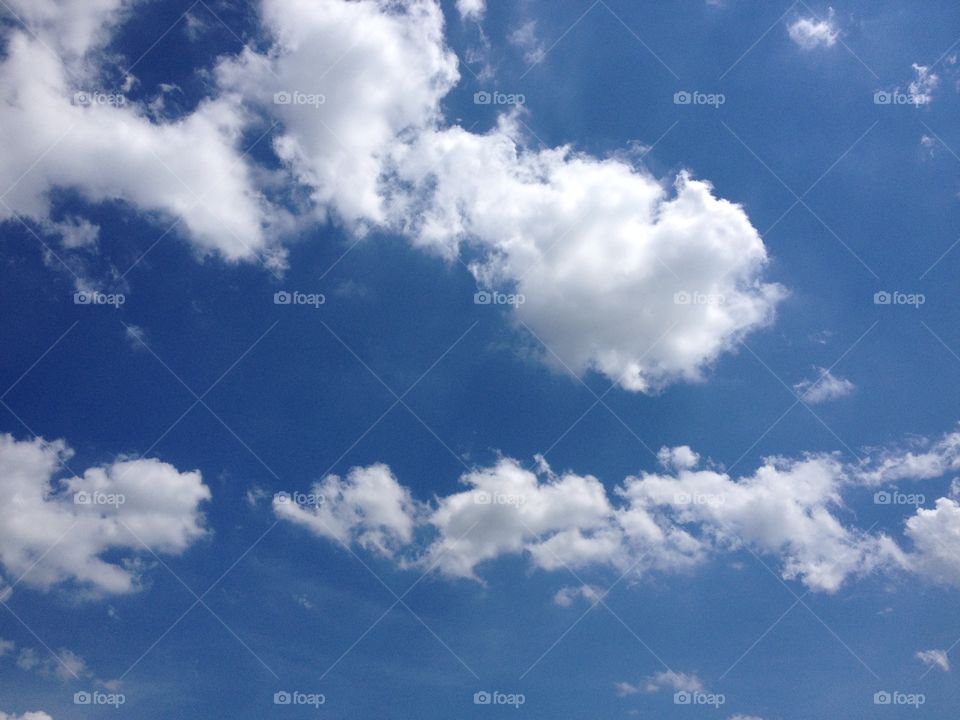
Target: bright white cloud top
137,507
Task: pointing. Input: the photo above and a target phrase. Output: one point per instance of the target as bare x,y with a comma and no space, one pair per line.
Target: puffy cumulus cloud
934,658
368,507
72,27
643,283
935,533
810,33
33,715
347,80
61,135
507,509
824,388
788,510
50,535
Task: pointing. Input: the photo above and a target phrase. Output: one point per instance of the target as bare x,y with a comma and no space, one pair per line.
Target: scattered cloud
670,680
824,388
131,503
810,33
526,40
934,658
566,596
789,509
922,87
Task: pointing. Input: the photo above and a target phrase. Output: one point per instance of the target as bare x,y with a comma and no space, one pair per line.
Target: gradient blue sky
297,393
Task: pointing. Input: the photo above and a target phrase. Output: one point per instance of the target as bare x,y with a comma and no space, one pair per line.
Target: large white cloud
789,511
48,537
358,76
643,282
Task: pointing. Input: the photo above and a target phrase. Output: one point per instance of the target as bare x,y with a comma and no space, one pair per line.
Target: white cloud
600,248
108,149
789,510
824,388
670,680
368,507
40,520
471,9
6,647
923,459
922,87
34,715
566,596
936,538
525,38
934,658
381,73
621,275
810,33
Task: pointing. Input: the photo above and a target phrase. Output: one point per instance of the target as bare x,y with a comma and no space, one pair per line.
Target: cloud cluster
788,509
57,531
646,280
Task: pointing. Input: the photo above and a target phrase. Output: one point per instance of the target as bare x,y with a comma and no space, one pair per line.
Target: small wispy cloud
824,388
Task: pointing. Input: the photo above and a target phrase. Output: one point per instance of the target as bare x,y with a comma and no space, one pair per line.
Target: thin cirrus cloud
646,280
667,521
127,508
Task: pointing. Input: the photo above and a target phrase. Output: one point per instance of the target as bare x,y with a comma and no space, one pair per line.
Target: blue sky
696,456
